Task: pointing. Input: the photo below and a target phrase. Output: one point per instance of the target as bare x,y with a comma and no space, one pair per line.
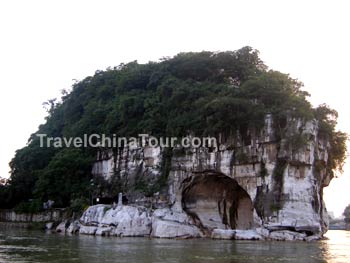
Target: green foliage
148,189
32,206
346,213
275,207
149,186
327,120
66,175
263,170
337,156
78,205
241,157
296,141
278,172
277,201
203,93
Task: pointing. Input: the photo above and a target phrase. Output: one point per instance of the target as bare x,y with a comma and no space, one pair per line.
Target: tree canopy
346,214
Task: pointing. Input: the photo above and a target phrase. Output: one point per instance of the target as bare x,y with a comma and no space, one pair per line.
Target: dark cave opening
215,200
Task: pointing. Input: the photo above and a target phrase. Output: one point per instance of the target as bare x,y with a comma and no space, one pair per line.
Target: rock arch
215,200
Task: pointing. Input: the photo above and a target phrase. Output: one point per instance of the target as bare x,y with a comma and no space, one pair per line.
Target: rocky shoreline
138,221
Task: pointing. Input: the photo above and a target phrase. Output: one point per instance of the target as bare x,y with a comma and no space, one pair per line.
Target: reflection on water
18,245
337,247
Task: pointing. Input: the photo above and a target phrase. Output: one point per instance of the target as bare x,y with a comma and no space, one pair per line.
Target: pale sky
46,45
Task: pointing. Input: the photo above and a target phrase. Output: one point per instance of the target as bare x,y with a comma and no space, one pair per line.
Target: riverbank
138,221
12,219
50,215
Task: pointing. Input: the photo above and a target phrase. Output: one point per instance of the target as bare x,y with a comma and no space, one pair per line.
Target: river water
20,245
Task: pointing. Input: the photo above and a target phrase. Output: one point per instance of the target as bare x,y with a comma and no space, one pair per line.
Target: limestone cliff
262,180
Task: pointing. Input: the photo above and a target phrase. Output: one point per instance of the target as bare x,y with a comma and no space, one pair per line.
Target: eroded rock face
61,228
93,215
136,221
121,221
171,229
216,201
87,230
251,180
73,227
168,223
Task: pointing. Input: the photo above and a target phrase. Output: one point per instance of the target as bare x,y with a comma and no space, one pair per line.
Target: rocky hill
274,151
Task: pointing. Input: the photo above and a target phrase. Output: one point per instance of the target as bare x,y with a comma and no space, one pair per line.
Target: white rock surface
103,231
168,214
49,225
236,234
287,235
223,234
171,229
87,230
94,214
263,232
61,228
73,227
121,221
247,235
167,223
